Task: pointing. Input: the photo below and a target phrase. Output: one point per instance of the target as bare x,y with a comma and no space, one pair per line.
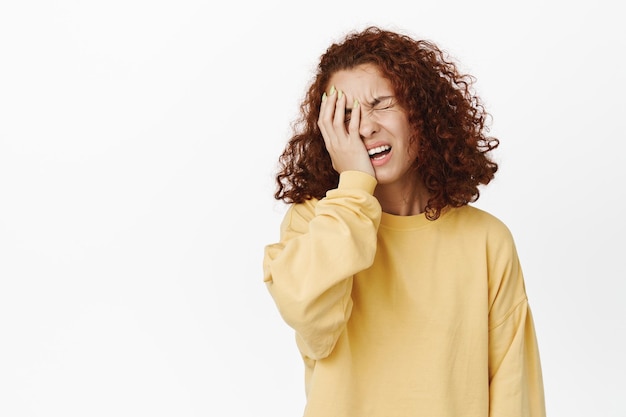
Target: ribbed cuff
357,180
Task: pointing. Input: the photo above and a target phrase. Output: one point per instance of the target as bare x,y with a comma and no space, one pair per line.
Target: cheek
403,131
413,149
409,147
402,124
413,144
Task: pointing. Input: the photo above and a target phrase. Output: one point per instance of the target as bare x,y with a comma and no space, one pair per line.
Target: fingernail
332,90
324,96
339,94
355,104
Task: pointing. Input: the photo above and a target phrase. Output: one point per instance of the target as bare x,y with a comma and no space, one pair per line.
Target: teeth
378,149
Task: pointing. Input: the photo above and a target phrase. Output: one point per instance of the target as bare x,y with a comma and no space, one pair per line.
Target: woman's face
384,126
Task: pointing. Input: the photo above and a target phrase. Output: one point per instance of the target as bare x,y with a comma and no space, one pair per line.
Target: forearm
309,272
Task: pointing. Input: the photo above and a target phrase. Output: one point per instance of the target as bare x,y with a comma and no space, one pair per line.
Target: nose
368,125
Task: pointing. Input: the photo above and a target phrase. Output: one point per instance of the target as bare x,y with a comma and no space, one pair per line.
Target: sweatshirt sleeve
322,245
515,377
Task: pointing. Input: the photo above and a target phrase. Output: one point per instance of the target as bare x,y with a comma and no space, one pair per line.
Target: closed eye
383,103
379,103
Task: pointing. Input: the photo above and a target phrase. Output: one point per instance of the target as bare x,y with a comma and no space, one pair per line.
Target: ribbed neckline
393,221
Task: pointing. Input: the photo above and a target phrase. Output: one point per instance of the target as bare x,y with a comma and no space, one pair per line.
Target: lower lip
381,161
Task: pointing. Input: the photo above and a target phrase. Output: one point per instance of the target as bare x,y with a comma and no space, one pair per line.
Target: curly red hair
447,118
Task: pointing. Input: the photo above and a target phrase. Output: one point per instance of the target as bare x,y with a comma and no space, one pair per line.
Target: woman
405,300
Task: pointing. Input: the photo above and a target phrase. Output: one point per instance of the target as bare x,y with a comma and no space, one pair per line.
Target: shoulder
478,221
299,215
487,234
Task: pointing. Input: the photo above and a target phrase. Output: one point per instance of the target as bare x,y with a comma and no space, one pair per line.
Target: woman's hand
345,147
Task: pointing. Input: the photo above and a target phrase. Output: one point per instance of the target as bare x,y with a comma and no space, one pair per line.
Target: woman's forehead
363,80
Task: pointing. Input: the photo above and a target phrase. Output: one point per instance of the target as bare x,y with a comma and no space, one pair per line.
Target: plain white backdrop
138,144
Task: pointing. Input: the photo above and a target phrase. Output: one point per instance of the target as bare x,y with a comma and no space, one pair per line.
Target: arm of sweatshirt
322,245
516,383
515,377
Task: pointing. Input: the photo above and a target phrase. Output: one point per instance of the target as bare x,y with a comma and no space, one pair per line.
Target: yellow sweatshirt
399,316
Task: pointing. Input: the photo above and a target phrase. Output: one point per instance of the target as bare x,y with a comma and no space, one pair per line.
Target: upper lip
376,145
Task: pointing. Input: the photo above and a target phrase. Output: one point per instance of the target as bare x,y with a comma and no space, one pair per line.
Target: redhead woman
405,299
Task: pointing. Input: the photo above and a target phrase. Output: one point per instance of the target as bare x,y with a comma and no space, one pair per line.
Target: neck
402,200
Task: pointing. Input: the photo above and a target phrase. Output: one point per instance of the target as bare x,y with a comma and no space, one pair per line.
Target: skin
359,113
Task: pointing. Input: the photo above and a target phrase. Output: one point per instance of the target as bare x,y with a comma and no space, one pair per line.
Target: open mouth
379,152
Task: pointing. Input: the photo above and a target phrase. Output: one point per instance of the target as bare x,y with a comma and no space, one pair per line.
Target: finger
340,113
327,111
355,120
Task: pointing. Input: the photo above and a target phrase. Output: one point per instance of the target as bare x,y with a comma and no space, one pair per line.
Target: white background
138,143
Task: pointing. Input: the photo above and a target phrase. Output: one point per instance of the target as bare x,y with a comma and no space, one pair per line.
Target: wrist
357,179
